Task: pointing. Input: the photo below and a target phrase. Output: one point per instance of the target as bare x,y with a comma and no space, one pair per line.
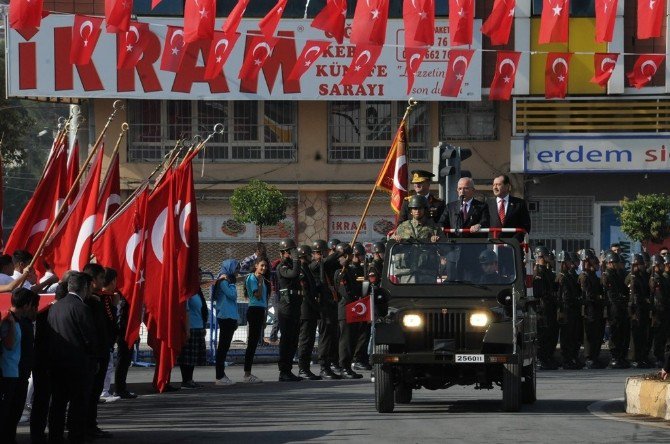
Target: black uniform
594,315
569,296
324,273
348,290
361,355
290,303
660,291
547,325
640,316
616,294
309,315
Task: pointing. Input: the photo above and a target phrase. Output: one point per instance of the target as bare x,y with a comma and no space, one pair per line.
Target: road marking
599,409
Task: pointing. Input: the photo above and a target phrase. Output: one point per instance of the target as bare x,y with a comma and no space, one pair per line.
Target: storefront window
365,130
255,131
468,121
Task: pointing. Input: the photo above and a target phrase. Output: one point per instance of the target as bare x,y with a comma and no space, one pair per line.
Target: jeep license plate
468,359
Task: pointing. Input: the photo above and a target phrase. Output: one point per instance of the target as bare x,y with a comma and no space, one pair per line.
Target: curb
647,397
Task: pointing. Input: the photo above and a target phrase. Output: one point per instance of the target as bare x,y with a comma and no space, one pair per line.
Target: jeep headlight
412,321
479,319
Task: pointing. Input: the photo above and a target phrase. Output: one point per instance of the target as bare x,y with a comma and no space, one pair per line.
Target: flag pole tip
124,127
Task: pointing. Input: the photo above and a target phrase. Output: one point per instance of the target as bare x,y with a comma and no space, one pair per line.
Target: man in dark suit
507,211
421,181
72,348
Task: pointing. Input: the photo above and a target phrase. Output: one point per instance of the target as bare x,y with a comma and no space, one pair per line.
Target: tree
646,218
259,203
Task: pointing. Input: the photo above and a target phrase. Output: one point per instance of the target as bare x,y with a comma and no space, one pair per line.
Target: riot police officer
617,297
639,310
659,284
323,271
594,308
290,303
310,312
547,322
349,290
570,300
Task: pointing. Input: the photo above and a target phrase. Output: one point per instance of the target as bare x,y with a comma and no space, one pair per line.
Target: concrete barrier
649,397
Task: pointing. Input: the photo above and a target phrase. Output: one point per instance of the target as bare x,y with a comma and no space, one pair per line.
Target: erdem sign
599,154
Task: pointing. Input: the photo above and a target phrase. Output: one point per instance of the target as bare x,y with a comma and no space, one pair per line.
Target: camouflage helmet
359,249
657,260
344,248
305,251
333,243
319,246
379,247
613,257
286,244
417,201
488,257
541,251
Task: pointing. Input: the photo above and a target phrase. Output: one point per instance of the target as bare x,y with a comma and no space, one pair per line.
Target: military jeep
458,314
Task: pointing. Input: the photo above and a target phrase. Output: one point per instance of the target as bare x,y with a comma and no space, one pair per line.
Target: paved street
321,411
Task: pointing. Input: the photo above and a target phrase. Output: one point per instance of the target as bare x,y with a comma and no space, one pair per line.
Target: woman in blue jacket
256,290
225,300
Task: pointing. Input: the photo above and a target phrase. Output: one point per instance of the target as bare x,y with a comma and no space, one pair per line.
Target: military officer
617,297
421,181
639,310
594,308
659,284
570,300
378,252
348,290
310,312
547,322
419,227
290,303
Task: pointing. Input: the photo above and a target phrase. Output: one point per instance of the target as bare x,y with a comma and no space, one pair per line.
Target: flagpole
411,104
115,108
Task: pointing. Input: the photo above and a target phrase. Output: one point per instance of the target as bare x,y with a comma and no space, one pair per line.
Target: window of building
364,131
253,131
578,8
468,120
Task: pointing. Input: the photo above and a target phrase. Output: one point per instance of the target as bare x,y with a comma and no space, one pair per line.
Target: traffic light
447,168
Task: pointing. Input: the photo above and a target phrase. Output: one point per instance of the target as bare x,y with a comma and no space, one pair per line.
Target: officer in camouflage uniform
640,312
617,297
547,322
419,227
594,308
659,285
570,300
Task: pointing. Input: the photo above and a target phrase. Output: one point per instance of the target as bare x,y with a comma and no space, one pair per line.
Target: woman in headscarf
224,296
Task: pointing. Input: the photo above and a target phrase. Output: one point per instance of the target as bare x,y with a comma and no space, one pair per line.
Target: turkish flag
199,16
2,204
310,53
268,24
331,19
650,15
461,21
556,75
40,210
503,80
119,245
604,64
498,25
453,78
69,247
109,198
362,64
235,17
413,59
419,19
25,14
73,169
369,25
359,311
221,47
644,69
554,21
392,177
187,243
605,18
131,45
255,58
173,49
117,15
85,33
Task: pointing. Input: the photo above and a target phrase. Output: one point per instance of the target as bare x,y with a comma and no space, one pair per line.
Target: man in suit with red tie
508,211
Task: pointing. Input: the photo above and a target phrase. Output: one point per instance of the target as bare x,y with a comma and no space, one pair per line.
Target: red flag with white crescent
603,64
359,311
310,53
503,80
554,21
187,242
458,61
174,49
331,19
235,17
268,24
646,66
650,15
605,18
25,14
461,22
199,16
257,53
85,34
117,15
109,198
131,45
369,25
362,64
221,47
413,59
73,170
392,177
419,20
498,25
556,75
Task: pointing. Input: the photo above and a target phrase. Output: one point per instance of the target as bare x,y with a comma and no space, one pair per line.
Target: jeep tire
384,391
511,387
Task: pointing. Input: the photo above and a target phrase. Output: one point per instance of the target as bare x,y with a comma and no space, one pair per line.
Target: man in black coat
290,303
72,357
421,182
507,211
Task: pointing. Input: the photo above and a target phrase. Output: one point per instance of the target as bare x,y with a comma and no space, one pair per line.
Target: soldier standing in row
359,266
569,297
290,302
547,322
348,290
640,312
421,181
616,293
310,312
378,251
594,308
660,291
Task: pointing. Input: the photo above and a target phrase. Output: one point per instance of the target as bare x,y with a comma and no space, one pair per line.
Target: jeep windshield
452,262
